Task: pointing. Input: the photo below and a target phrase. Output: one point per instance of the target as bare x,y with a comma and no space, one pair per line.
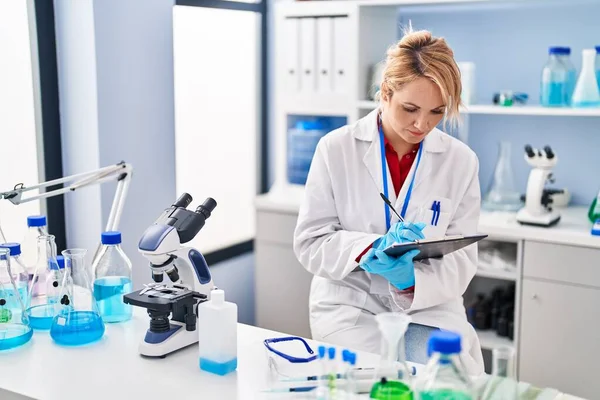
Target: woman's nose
421,124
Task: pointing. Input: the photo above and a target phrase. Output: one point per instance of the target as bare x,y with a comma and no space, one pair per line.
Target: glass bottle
79,321
14,325
41,309
502,194
565,58
554,79
112,271
393,376
444,376
503,384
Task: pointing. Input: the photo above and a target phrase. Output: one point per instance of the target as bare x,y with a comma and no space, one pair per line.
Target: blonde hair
419,54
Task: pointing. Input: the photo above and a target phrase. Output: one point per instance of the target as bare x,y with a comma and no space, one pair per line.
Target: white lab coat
342,214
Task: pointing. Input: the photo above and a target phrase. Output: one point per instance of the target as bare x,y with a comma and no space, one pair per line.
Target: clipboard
433,248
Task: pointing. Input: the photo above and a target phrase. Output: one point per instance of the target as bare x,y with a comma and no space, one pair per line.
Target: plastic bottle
594,212
18,270
36,227
554,79
565,58
218,335
322,390
586,92
112,279
444,376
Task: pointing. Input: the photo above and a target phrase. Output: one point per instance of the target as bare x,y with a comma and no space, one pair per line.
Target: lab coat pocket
334,307
436,222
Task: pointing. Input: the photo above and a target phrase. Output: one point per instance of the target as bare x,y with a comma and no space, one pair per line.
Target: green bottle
390,390
594,213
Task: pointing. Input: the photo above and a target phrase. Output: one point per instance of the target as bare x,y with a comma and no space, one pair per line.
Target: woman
430,178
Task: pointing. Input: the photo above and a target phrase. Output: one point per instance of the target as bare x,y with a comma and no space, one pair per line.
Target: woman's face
414,110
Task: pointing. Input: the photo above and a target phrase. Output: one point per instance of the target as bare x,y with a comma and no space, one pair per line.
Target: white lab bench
557,278
113,369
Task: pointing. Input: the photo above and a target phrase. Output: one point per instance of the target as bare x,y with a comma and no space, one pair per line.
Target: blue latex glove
399,271
400,232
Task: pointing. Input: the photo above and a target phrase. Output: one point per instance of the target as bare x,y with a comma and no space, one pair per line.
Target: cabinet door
324,55
559,345
341,55
281,291
291,36
308,53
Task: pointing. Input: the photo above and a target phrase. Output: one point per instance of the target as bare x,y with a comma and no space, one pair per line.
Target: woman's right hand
401,232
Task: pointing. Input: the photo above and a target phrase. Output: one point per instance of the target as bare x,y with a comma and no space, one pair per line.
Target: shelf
497,274
514,110
489,340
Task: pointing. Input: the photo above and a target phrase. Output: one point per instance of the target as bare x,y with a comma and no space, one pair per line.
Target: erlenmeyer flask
502,194
79,322
42,303
14,325
393,376
503,384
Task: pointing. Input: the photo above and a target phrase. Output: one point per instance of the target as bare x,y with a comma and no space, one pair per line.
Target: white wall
18,157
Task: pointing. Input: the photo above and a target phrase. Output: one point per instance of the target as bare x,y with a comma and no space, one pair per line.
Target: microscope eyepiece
207,207
529,151
549,152
183,201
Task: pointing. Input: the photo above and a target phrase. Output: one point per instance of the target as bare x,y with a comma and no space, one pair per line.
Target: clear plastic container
78,321
36,227
218,335
554,79
14,325
444,376
565,58
18,270
503,384
112,272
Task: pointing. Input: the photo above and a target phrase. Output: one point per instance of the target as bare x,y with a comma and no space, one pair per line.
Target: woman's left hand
399,271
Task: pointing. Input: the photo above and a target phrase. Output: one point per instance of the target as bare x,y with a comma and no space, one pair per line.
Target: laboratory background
166,140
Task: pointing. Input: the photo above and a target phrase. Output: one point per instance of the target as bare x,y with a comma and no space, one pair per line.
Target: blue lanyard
388,222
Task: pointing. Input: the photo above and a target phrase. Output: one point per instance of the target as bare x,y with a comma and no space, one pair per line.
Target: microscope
186,269
538,208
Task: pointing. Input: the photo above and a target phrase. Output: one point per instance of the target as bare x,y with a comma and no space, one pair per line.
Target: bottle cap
331,353
352,359
557,50
59,263
217,296
321,351
598,49
111,237
36,220
444,342
15,248
345,355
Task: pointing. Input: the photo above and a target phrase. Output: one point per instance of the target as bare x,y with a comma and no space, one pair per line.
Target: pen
389,203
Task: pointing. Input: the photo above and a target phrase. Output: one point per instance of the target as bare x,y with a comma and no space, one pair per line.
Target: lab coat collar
366,130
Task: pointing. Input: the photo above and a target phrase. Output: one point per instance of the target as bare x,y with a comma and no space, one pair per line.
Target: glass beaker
503,384
79,322
41,307
502,195
14,325
393,376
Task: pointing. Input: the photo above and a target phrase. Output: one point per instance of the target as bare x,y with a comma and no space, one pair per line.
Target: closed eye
410,110
438,112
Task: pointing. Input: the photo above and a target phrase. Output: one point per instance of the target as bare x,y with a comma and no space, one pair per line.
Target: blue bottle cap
444,342
597,49
54,265
15,248
36,220
331,353
345,355
321,351
111,237
352,359
61,261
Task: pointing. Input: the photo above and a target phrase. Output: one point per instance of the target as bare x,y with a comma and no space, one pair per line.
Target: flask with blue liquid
554,79
112,272
18,269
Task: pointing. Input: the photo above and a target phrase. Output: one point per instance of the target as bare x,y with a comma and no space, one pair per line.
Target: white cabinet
342,33
559,344
325,55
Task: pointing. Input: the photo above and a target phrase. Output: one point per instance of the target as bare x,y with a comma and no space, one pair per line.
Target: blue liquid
74,328
108,293
12,302
14,335
219,368
553,94
586,104
40,317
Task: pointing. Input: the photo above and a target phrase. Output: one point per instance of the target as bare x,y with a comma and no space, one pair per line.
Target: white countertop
573,228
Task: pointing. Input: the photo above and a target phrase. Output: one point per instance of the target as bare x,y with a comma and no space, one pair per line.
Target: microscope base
548,219
159,345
